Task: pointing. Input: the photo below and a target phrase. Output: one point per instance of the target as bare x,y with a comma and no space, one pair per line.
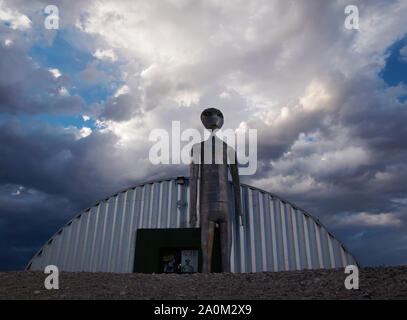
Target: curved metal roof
287,237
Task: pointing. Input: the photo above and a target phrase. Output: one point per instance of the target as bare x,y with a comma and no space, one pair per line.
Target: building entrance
175,250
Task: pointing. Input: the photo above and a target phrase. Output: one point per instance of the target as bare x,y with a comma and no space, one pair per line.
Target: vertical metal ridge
312,242
67,236
295,239
258,230
151,206
274,235
85,243
120,250
87,252
249,207
93,253
290,237
56,246
331,251
147,202
164,210
168,220
179,207
141,210
344,262
263,241
130,254
78,242
267,232
338,256
325,250
301,239
114,231
136,224
75,241
233,266
284,235
319,247
307,242
160,205
188,200
59,237
174,209
242,236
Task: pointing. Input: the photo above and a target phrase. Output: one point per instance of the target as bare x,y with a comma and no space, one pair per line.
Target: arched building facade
141,228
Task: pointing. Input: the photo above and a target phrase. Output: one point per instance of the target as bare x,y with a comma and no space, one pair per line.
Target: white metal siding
275,236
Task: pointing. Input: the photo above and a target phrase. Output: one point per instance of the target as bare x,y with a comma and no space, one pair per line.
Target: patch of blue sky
4,117
70,58
61,55
39,120
395,70
66,121
95,93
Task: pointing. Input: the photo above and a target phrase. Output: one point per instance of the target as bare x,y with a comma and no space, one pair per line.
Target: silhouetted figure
214,158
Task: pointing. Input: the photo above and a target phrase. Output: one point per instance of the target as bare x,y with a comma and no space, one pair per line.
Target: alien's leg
226,244
207,236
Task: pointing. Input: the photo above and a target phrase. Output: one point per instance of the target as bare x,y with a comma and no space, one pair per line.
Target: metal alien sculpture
214,159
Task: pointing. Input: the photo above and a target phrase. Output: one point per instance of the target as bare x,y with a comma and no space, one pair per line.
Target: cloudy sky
77,105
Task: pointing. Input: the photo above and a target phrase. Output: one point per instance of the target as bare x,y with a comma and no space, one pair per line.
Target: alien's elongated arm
194,173
234,171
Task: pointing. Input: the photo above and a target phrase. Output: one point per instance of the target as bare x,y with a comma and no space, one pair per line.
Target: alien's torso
214,168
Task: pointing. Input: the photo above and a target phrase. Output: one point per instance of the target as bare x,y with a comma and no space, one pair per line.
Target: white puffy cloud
371,220
16,19
105,54
122,90
55,72
63,92
85,131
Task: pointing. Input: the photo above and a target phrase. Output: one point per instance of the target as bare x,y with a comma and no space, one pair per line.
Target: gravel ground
374,283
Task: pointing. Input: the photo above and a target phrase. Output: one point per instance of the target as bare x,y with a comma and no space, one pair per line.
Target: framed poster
189,261
169,260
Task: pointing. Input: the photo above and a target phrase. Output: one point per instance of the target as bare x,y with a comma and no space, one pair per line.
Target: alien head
212,118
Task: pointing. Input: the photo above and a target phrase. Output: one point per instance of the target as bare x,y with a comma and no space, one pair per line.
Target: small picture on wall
189,261
170,259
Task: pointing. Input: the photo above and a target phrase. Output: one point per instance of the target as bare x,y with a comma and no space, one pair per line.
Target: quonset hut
147,229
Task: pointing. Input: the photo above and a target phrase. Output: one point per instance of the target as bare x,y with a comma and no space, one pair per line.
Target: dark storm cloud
26,222
46,176
92,74
29,89
52,160
120,108
352,160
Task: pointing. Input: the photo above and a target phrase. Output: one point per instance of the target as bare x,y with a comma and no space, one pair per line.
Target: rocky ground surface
374,283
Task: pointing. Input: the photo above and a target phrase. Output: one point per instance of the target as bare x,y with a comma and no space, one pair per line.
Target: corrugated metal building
276,234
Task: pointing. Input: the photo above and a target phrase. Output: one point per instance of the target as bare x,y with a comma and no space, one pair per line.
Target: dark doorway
164,250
